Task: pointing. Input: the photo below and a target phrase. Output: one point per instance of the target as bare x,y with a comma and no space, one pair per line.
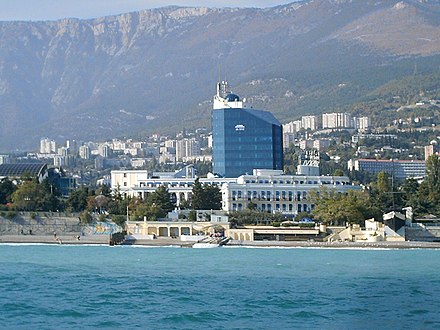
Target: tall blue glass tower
243,139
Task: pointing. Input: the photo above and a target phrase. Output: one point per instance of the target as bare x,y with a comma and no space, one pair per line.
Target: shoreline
173,242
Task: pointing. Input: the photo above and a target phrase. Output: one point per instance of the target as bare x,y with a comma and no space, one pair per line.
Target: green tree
33,196
161,200
198,198
382,193
77,200
429,190
206,196
338,172
213,197
338,209
7,188
432,178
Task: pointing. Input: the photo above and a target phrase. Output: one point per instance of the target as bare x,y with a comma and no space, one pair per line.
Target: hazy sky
12,10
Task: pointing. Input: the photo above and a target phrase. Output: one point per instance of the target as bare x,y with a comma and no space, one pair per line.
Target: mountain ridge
130,73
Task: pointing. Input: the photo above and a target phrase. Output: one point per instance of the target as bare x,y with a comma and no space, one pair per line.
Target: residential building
292,127
243,139
432,149
47,146
84,152
362,124
288,139
401,169
385,137
72,146
310,122
187,149
336,120
104,150
4,159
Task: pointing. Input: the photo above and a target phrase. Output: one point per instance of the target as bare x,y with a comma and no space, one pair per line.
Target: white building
104,150
310,122
4,159
336,120
139,183
288,139
187,149
362,124
401,169
267,190
272,191
84,152
292,127
47,146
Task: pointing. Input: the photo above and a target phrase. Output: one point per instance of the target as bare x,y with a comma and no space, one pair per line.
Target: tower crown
225,98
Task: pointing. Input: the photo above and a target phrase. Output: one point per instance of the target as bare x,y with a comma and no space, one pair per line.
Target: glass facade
245,139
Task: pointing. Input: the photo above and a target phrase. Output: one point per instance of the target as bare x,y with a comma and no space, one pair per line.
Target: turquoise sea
88,287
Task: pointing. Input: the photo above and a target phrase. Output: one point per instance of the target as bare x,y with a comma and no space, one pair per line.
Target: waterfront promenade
50,239
175,242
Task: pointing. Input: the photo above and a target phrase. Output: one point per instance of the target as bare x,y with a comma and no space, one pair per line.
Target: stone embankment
48,228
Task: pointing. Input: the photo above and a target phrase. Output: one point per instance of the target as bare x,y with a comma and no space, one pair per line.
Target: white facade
288,139
187,149
337,120
47,146
139,183
402,169
84,152
104,150
222,99
310,122
269,190
4,159
276,192
362,123
292,127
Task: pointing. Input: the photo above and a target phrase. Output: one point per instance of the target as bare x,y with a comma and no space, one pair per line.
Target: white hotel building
267,190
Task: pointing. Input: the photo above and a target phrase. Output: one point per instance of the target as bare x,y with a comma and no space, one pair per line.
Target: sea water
80,287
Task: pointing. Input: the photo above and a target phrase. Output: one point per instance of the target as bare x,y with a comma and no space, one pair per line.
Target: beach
167,241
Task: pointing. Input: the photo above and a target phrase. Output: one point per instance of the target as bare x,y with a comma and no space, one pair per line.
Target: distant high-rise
243,139
84,152
336,120
47,146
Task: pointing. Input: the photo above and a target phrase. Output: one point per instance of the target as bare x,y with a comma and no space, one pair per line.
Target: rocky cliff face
155,70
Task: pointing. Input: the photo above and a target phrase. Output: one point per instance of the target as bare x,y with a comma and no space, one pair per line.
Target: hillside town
253,195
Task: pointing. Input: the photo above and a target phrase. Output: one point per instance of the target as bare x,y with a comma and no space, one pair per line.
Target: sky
36,10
